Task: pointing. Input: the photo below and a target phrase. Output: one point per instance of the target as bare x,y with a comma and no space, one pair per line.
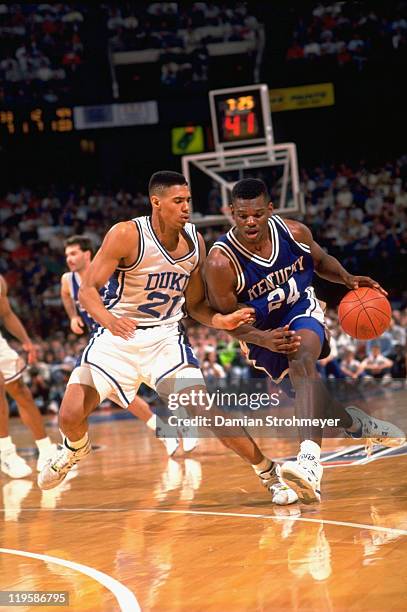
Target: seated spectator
376,365
350,366
398,357
212,371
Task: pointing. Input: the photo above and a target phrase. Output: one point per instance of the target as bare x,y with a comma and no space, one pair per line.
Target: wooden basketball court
133,530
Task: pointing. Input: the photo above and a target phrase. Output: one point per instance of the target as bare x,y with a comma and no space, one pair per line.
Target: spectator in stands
350,366
211,369
376,365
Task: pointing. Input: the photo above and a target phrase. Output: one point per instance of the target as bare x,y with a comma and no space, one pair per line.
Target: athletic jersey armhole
282,224
235,262
140,250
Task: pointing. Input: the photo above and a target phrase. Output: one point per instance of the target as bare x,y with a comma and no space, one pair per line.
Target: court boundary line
400,532
125,598
40,508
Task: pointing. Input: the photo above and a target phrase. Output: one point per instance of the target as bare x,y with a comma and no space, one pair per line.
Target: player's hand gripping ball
364,313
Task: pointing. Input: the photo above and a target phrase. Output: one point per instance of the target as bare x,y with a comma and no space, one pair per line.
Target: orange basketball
364,313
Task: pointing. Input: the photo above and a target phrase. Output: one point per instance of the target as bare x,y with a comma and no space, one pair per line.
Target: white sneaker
281,494
13,465
379,432
58,466
304,477
166,436
189,438
44,455
14,493
171,445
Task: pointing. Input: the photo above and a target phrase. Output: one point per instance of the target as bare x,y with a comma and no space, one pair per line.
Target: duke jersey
74,282
152,289
278,288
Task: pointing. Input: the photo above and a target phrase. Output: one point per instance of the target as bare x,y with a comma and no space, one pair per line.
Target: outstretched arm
198,307
326,266
221,285
13,324
117,246
77,325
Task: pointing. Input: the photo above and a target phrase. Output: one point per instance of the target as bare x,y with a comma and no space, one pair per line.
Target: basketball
364,313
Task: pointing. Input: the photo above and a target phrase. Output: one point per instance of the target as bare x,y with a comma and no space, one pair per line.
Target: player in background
151,268
268,263
78,255
11,382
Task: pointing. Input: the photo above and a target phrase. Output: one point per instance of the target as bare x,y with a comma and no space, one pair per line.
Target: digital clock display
36,121
239,117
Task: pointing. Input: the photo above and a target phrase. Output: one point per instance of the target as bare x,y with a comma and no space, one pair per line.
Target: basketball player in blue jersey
268,263
150,269
78,255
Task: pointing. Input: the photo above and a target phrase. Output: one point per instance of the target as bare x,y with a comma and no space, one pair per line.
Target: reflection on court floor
197,532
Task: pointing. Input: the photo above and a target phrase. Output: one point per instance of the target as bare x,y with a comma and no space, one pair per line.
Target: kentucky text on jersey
277,287
275,278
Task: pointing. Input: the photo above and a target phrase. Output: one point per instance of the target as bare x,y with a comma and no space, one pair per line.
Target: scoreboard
49,119
241,115
36,121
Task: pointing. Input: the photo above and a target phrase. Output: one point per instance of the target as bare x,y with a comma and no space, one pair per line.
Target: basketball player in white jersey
151,271
11,382
78,255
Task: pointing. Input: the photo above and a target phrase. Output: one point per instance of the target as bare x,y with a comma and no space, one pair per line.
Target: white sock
308,447
76,444
6,443
265,464
152,422
43,444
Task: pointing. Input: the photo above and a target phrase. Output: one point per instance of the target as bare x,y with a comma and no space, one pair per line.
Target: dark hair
163,179
84,242
248,189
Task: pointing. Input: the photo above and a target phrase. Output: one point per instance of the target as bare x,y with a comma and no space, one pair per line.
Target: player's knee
296,369
70,415
303,366
19,390
310,365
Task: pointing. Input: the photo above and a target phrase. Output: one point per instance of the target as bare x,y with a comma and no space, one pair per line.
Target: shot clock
241,115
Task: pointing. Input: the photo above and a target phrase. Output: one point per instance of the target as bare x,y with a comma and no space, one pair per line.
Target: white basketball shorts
11,364
117,367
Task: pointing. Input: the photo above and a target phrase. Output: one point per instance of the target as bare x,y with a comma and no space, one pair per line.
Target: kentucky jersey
278,288
74,282
152,289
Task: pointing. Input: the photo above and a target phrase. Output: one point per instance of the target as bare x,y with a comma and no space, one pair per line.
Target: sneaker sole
306,493
390,442
51,485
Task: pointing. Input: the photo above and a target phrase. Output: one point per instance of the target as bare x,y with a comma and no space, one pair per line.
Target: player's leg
141,410
189,382
304,475
3,409
31,417
81,397
356,423
10,462
314,402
